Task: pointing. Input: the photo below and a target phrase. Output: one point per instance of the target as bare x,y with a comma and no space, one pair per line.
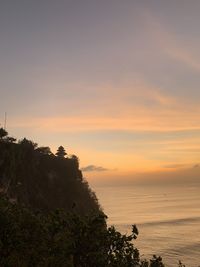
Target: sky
115,82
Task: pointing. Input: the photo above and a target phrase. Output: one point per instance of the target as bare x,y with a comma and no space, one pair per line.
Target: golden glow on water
168,218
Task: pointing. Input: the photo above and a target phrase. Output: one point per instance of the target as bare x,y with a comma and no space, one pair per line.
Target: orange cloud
135,119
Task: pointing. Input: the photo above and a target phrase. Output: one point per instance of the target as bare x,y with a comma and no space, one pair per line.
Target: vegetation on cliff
49,217
60,239
36,178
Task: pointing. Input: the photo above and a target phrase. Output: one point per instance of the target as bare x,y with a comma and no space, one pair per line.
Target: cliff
40,180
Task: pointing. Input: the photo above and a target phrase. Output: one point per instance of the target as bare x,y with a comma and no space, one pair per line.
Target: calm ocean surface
168,219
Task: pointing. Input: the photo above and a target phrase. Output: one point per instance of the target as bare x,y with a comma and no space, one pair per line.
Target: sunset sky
115,82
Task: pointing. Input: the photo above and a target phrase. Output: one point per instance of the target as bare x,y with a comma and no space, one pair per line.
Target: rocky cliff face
40,180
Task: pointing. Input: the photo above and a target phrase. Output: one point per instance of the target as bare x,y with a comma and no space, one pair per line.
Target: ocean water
168,219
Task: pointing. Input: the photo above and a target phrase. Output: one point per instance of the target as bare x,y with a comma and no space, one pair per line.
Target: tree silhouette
45,150
10,139
75,159
28,144
61,152
3,133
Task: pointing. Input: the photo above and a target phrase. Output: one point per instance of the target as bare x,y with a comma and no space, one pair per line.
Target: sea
167,217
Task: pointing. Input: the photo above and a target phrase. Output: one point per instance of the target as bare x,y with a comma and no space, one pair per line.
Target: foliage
33,176
121,251
10,139
3,133
61,152
45,150
26,238
60,239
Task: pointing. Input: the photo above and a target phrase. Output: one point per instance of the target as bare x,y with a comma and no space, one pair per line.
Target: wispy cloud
93,168
196,166
135,119
174,166
169,43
